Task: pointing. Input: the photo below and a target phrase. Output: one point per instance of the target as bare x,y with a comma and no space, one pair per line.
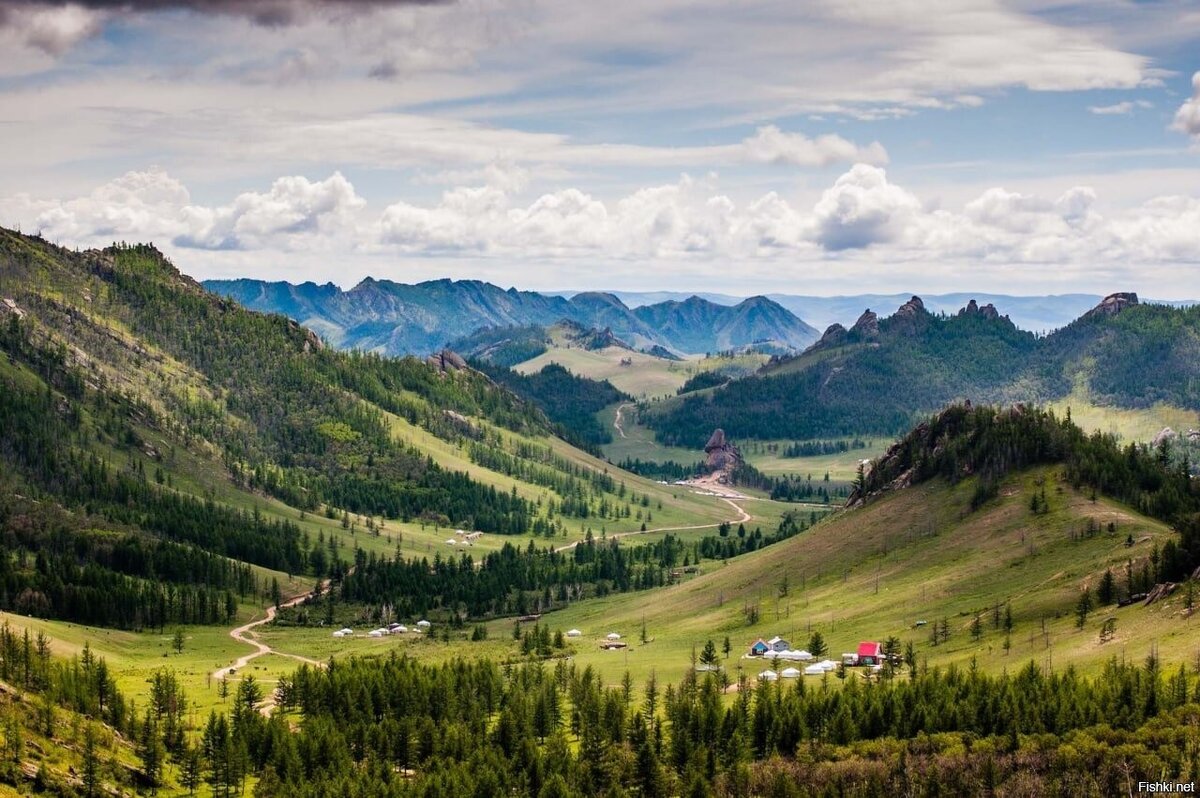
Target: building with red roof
870,654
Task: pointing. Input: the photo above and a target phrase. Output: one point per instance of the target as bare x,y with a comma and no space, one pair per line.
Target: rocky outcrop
446,360
988,311
1165,434
867,326
912,308
835,335
719,453
1112,304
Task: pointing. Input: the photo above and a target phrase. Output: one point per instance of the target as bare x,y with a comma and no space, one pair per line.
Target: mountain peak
1113,304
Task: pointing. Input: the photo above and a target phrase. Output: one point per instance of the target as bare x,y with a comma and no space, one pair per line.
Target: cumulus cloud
152,205
293,207
1187,118
862,216
862,208
772,145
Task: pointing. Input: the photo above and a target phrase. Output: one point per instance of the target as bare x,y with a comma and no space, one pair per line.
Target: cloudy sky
799,146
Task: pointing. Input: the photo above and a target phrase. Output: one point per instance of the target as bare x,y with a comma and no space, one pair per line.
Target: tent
789,673
771,654
768,676
804,656
375,633
574,633
814,670
422,624
613,636
339,633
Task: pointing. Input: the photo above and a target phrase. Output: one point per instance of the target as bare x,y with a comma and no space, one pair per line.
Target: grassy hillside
919,554
160,440
645,376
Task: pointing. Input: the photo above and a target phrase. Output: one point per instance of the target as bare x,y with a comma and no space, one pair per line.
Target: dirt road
743,518
245,634
617,419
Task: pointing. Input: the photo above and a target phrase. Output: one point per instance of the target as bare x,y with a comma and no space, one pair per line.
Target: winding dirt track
245,634
617,419
743,518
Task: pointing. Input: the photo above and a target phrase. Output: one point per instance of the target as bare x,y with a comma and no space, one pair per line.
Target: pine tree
1082,608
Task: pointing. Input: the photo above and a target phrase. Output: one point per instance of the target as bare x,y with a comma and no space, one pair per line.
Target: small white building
451,542
574,633
377,633
789,673
423,624
613,636
346,631
768,676
339,633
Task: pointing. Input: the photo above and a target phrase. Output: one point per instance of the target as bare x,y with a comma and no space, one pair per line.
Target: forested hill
140,416
989,444
880,375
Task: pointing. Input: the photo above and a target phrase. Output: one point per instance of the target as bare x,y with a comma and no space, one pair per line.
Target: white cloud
688,227
1123,108
1187,118
52,29
861,209
769,144
152,205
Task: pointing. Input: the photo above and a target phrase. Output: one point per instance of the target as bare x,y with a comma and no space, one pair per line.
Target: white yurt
771,654
768,676
613,636
375,633
814,670
422,624
339,633
828,664
574,633
347,631
804,656
789,673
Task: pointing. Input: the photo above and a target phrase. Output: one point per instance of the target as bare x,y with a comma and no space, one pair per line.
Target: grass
841,467
916,555
646,377
1128,424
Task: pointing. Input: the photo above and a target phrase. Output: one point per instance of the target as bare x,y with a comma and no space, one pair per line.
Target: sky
798,146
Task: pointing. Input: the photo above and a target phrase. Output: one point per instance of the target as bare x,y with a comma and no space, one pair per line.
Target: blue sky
806,147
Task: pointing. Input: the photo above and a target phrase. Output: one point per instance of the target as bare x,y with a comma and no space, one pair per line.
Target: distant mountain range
1034,313
882,373
398,318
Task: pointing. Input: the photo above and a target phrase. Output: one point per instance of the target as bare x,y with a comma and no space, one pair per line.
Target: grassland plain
646,376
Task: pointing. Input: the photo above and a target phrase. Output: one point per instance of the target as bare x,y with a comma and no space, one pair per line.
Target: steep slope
164,450
880,374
